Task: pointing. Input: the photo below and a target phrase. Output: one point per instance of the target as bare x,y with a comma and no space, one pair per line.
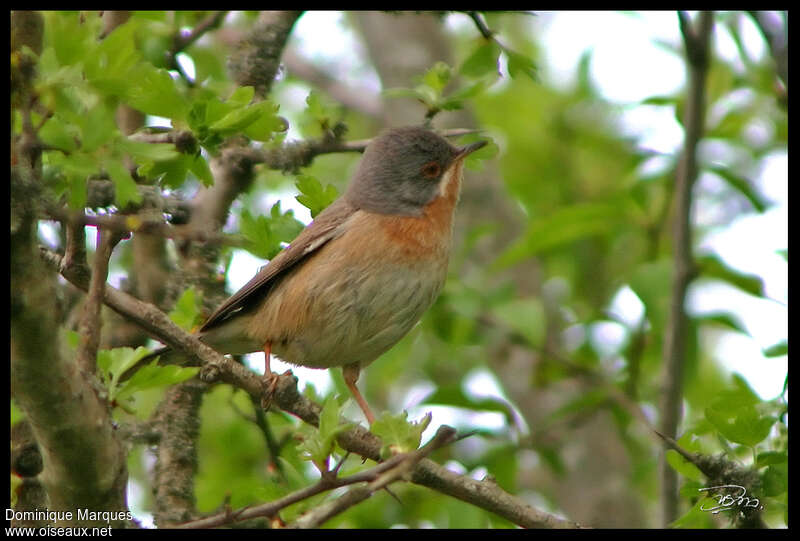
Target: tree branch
257,57
697,45
215,367
90,321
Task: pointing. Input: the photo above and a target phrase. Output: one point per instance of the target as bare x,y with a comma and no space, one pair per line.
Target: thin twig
481,24
183,40
697,45
90,321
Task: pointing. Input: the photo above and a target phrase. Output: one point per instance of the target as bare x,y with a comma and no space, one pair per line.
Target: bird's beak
469,149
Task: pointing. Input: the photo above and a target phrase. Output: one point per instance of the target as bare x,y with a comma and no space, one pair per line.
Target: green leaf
525,316
199,167
683,466
98,128
743,186
154,92
148,152
475,161
112,363
235,121
69,38
742,425
769,458
724,319
778,350
711,266
267,124
313,196
152,376
264,235
775,480
398,434
318,444
59,134
520,65
405,93
482,61
241,97
659,100
437,77
171,173
125,190
564,226
186,312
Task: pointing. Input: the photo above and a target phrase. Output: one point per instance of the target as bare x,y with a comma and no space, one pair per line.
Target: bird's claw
269,384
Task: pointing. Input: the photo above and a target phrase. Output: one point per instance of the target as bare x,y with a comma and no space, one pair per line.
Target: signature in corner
725,502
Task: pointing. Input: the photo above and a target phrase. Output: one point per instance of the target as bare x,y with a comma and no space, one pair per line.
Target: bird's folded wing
328,225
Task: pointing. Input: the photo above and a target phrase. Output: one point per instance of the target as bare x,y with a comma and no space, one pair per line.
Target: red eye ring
431,170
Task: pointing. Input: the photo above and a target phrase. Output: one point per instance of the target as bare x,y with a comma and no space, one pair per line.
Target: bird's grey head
401,171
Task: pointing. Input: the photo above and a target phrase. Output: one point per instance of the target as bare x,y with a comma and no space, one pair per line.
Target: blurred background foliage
549,332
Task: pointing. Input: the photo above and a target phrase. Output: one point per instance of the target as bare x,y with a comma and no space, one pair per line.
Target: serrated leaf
437,77
397,433
264,235
318,444
112,363
267,124
97,128
154,93
152,375
313,196
58,134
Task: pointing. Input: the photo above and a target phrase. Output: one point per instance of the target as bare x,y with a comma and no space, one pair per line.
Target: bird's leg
350,373
269,381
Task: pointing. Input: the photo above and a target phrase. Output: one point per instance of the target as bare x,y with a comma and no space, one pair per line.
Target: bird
362,273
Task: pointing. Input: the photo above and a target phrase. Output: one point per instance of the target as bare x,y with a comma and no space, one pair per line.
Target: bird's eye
431,170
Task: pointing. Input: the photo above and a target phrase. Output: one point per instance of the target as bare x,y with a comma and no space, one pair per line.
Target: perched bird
358,277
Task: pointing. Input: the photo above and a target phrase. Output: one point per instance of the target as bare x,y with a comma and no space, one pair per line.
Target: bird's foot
269,384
